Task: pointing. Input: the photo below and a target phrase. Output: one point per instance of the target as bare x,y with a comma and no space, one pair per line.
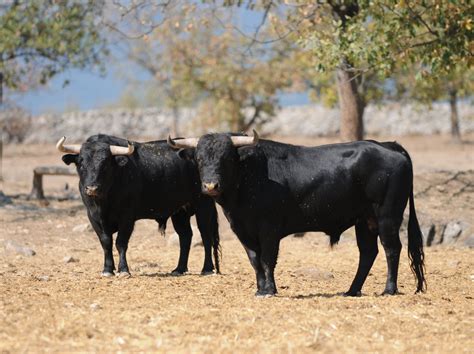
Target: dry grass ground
47,305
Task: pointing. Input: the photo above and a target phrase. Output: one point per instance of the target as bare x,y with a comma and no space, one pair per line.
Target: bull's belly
250,227
327,223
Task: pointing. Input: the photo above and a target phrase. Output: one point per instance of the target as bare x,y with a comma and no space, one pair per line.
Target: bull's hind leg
366,233
389,236
182,226
121,243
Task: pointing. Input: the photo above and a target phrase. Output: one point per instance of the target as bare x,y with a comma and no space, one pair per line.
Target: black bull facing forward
269,190
122,182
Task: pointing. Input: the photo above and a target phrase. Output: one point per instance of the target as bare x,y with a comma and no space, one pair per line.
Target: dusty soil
48,305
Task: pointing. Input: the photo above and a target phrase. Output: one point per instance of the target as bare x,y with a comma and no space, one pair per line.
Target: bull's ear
245,152
69,158
121,160
186,154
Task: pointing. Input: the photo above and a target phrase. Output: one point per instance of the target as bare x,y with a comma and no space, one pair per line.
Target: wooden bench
39,172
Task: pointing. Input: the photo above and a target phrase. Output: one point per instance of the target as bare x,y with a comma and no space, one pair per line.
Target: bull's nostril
91,190
209,186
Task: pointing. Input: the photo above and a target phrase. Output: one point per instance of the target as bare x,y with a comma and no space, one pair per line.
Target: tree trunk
1,130
455,131
351,106
1,88
175,124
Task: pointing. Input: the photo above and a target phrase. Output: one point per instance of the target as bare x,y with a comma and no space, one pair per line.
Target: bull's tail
415,247
216,246
415,237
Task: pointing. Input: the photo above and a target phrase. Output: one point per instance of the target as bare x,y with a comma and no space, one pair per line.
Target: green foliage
459,81
322,85
41,38
380,35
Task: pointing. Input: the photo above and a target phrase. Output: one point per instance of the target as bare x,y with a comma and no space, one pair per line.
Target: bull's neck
228,200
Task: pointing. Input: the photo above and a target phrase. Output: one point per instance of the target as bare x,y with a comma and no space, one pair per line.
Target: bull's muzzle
210,188
91,191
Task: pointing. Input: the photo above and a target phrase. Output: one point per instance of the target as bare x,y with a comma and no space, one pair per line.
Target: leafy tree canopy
41,38
380,35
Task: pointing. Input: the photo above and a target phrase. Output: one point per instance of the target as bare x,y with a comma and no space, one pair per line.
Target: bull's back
328,187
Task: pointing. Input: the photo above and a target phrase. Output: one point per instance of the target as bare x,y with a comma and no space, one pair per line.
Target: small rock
314,273
469,241
429,233
70,259
12,246
4,199
452,232
43,278
82,228
119,340
95,306
453,263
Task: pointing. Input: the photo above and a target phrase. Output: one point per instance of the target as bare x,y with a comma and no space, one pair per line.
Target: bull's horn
246,140
73,149
121,150
182,143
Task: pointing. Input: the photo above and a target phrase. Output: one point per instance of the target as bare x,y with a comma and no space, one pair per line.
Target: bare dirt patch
49,305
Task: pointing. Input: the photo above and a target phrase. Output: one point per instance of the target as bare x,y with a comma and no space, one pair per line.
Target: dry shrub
15,124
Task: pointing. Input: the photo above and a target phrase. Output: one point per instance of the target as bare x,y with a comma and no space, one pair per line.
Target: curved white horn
182,143
246,140
73,149
121,150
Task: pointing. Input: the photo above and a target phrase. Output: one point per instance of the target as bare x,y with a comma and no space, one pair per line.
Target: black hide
272,190
152,183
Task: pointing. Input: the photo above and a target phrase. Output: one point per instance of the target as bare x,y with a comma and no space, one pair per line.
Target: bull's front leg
206,217
254,258
105,239
121,243
268,260
182,226
109,265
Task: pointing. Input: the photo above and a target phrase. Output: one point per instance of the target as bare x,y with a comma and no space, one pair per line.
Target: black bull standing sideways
121,182
269,190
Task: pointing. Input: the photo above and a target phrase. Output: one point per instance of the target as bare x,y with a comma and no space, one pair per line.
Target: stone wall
311,120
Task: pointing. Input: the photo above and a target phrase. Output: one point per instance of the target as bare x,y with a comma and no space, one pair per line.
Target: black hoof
352,293
390,292
264,294
178,272
107,274
207,272
124,274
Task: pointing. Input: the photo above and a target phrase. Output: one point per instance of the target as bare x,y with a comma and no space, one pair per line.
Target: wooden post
37,190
